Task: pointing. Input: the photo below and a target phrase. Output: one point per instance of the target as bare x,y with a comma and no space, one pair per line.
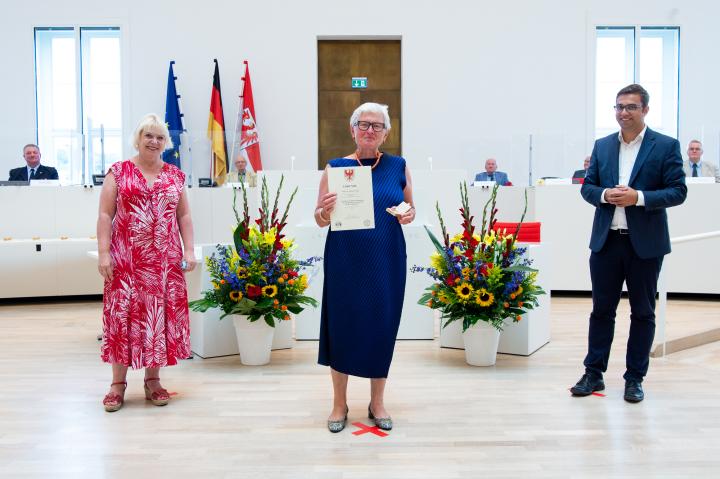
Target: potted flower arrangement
256,280
481,278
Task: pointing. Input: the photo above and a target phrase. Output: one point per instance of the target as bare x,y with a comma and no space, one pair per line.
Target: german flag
216,132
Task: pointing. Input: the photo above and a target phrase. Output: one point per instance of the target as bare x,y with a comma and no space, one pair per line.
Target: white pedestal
528,335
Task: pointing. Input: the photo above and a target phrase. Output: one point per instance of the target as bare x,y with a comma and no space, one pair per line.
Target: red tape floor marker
364,429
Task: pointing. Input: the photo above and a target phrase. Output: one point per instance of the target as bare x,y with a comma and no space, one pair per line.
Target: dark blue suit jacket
43,173
501,178
657,173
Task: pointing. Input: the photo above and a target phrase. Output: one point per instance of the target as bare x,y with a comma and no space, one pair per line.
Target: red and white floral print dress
145,310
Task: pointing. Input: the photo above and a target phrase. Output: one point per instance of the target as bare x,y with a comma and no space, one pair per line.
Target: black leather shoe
587,385
634,391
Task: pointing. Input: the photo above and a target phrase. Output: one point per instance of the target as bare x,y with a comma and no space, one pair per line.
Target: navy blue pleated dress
365,281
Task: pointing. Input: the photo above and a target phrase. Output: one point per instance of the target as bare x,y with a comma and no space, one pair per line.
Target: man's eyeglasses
365,125
631,107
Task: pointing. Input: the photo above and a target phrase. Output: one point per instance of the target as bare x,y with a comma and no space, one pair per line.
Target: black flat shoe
634,391
588,384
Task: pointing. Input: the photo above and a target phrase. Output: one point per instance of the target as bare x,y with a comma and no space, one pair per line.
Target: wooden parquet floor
516,419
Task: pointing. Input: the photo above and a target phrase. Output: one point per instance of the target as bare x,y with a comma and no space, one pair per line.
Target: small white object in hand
399,210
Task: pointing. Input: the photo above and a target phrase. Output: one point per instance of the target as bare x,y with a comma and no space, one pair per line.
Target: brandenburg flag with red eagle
216,132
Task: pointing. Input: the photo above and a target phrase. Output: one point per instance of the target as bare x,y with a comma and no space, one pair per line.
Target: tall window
646,55
79,108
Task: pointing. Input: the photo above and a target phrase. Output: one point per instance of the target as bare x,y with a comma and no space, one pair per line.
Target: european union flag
173,120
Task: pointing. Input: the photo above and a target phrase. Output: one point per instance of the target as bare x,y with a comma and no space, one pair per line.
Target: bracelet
322,217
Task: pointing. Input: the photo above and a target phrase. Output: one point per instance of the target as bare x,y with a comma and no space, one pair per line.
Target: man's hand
621,196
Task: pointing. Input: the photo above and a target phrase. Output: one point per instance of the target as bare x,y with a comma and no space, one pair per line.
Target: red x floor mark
594,393
364,428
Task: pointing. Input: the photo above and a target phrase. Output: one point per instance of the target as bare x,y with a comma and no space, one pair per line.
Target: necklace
377,159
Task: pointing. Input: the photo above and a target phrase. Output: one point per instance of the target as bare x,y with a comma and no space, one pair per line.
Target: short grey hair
152,122
371,108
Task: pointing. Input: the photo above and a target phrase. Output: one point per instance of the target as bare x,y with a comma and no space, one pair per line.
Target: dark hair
636,89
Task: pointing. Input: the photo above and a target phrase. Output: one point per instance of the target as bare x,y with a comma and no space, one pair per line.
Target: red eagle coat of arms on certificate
349,175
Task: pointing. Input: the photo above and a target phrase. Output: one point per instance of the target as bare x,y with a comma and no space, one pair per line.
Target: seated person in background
695,167
581,173
491,173
241,174
33,170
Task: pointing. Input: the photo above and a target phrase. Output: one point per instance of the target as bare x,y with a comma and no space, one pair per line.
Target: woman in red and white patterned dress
144,214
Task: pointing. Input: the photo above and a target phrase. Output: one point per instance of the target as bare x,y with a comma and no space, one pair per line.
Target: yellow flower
466,273
287,243
484,297
490,238
280,280
464,291
215,285
241,272
436,261
236,296
456,238
518,291
269,237
303,282
270,291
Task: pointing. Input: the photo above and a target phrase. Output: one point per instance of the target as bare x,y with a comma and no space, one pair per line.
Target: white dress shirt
628,155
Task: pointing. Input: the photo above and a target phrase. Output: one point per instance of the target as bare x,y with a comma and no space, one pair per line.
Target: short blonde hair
152,122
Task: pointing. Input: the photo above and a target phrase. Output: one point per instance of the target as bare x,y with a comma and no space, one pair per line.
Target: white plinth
528,335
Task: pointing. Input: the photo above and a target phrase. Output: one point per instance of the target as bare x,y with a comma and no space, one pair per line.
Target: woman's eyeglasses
365,125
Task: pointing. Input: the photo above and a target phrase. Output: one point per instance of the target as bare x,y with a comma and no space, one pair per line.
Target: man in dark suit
634,176
492,174
33,170
581,173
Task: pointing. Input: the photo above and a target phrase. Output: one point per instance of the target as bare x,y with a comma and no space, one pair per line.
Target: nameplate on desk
484,184
695,180
44,182
558,181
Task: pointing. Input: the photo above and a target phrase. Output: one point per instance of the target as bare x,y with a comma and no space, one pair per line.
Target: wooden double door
339,61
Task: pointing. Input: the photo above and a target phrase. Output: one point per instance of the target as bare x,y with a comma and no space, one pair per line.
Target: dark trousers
614,264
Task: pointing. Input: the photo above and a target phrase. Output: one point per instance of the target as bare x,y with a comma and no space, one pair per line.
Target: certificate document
354,209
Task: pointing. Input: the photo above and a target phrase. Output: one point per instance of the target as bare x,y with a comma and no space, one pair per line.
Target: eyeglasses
631,107
365,125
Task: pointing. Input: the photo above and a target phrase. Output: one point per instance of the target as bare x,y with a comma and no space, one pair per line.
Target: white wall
478,77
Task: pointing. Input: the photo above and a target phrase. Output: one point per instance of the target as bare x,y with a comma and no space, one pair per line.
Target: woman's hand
190,261
407,217
105,266
327,203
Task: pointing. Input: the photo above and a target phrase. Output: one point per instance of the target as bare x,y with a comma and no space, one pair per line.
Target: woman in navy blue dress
364,272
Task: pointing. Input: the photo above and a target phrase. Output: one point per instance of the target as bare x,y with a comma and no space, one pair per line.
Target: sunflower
464,291
241,273
236,296
466,272
484,297
270,290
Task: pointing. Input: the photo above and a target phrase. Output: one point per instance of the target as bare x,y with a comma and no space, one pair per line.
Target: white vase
481,344
283,335
254,340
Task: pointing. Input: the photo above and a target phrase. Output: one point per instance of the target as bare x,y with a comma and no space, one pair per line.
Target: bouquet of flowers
481,276
258,276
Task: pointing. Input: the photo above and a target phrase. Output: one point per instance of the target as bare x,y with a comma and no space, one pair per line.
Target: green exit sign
359,82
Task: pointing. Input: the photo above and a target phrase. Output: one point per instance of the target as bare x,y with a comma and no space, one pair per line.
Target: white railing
662,287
